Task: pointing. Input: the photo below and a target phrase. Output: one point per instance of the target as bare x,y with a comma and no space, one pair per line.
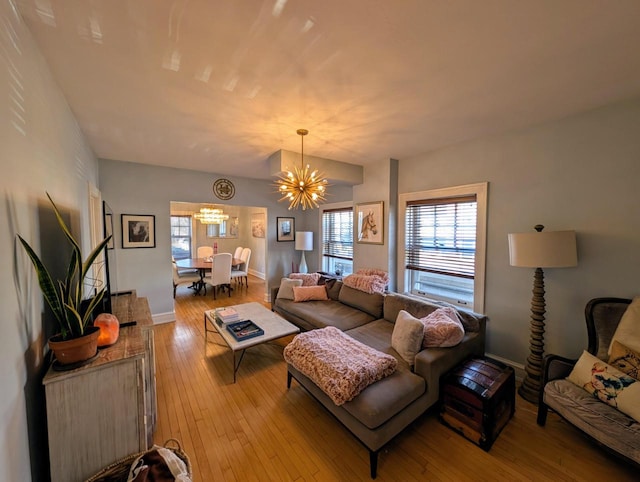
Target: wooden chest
478,399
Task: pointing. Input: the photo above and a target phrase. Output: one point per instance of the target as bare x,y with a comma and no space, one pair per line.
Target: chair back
603,316
238,253
205,251
176,276
221,269
245,256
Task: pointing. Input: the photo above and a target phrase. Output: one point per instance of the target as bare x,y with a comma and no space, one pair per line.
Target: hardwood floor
256,429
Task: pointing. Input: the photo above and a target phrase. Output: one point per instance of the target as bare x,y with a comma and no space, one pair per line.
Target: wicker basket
119,470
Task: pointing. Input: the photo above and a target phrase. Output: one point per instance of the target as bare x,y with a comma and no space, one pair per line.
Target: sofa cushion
318,314
308,279
607,384
286,288
442,328
369,303
421,307
625,359
407,336
333,287
367,283
628,330
309,293
604,423
379,402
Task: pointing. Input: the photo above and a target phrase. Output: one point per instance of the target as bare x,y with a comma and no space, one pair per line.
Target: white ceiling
218,86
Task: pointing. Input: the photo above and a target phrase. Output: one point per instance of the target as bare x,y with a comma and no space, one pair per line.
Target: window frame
171,236
480,191
343,206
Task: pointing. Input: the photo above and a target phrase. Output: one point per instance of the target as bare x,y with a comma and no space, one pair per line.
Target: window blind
337,233
441,236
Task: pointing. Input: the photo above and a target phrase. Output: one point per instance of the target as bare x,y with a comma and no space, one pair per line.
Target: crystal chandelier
302,187
211,216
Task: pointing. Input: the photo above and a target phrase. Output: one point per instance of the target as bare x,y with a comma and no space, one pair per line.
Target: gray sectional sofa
385,408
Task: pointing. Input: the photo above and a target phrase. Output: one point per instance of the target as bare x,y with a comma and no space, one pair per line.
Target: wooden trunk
478,399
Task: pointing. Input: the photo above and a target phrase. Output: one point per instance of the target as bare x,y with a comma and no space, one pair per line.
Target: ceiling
219,86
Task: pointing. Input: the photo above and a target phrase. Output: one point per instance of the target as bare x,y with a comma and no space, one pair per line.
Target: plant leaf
47,286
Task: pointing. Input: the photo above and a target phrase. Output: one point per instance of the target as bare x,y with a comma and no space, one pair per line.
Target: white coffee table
274,327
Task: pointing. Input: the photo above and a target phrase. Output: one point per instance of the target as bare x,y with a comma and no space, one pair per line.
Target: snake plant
65,296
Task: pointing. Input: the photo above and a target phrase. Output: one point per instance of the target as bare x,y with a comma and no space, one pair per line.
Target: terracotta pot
76,349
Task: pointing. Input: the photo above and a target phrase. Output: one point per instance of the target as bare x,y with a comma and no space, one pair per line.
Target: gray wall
42,149
579,173
131,188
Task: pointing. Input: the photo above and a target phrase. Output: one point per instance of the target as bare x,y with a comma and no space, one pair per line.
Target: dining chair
238,252
180,279
183,271
243,269
220,276
205,251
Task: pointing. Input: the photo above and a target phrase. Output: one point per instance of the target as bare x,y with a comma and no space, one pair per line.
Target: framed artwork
108,229
257,225
286,229
138,231
370,218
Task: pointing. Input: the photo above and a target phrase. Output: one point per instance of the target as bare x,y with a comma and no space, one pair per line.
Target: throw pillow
628,330
367,283
407,336
333,287
309,293
625,359
308,279
374,272
286,288
607,384
442,328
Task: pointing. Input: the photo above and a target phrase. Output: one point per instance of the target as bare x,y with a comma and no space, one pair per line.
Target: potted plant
65,298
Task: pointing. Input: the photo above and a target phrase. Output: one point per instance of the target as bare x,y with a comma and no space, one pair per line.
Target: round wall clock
224,189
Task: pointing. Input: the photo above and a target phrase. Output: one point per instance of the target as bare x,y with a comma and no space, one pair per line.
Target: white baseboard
257,274
517,367
161,318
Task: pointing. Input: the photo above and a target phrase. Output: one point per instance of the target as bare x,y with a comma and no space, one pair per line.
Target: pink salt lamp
109,329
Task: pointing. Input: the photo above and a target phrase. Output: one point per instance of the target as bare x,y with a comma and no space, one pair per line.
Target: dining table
203,265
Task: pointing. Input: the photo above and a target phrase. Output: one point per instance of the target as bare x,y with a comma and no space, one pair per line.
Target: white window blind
441,236
337,233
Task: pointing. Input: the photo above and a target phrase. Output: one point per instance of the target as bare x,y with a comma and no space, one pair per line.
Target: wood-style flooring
256,429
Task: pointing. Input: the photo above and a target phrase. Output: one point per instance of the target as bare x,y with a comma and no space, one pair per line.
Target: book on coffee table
226,315
243,330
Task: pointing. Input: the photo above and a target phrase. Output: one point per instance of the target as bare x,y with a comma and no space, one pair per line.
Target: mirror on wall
226,229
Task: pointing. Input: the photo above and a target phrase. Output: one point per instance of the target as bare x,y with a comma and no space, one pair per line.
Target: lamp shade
544,249
304,240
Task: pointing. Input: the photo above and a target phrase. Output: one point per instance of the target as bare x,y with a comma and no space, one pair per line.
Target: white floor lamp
304,242
550,249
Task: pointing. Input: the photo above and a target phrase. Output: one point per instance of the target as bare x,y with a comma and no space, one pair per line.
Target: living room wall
132,188
579,173
42,150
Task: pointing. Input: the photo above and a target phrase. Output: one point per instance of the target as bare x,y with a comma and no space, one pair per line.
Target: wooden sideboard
106,409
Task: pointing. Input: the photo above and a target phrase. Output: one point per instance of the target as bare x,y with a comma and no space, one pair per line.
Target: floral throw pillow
607,384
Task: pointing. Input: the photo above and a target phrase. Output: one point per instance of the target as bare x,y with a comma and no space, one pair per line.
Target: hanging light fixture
211,216
302,187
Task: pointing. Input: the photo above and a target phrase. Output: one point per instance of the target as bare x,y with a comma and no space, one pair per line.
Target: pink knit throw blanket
340,365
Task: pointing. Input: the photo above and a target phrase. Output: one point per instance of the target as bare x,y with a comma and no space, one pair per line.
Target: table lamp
304,242
550,249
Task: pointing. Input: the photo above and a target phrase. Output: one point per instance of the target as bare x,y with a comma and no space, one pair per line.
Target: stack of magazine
243,330
226,315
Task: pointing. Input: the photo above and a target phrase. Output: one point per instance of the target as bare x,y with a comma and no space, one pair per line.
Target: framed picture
108,229
370,218
138,231
286,229
257,225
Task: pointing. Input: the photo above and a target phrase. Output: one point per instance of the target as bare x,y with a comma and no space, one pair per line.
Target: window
444,233
337,241
181,237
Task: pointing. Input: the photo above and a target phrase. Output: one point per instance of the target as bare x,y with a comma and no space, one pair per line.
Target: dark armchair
603,423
